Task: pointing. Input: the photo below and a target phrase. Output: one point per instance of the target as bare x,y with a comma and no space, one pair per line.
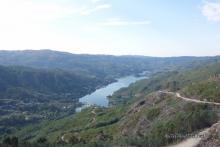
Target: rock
212,138
72,138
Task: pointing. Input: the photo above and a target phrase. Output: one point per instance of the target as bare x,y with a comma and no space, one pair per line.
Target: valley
109,73
120,108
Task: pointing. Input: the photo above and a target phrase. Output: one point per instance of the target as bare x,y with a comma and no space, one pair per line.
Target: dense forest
15,81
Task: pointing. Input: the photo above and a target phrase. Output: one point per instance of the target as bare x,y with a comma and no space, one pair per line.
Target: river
99,97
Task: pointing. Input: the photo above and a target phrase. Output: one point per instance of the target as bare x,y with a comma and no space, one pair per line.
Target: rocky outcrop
212,138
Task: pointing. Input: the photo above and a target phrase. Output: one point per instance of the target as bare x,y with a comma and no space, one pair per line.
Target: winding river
99,97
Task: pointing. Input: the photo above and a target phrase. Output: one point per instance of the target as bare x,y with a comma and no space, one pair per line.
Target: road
189,99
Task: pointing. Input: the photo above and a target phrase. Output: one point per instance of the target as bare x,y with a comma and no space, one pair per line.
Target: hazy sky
141,27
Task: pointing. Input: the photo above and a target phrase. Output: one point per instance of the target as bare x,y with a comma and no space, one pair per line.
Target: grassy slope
192,83
150,119
79,122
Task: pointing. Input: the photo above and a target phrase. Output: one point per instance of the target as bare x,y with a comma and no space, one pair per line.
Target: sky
117,27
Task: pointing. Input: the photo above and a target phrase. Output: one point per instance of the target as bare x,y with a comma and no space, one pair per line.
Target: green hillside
200,83
140,116
15,81
28,95
100,65
150,124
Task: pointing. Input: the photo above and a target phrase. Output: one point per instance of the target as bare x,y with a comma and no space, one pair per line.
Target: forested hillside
30,95
15,81
141,111
100,65
199,83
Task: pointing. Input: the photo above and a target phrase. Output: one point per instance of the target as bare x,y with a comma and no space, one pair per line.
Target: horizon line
102,54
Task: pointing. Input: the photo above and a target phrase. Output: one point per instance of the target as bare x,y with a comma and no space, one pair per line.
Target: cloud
29,24
90,28
211,10
32,12
113,22
95,1
25,11
88,11
42,24
119,22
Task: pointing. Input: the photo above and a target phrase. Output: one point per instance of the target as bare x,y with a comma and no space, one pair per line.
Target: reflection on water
99,97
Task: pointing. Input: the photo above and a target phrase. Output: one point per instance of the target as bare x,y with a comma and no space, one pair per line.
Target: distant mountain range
99,65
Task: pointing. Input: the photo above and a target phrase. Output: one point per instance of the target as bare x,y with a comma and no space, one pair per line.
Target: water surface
99,97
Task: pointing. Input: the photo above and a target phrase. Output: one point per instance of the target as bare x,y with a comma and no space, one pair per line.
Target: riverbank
100,96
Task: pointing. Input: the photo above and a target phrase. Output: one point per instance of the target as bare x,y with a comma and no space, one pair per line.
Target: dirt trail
189,99
193,141
94,117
